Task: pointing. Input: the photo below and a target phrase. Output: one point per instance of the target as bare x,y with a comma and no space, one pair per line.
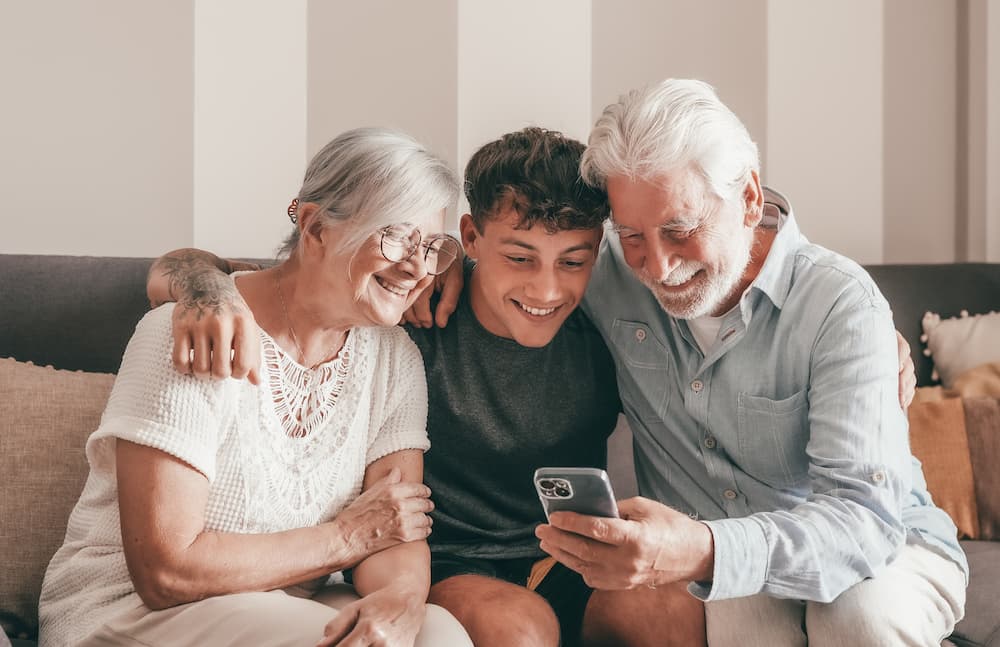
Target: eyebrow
685,221
524,245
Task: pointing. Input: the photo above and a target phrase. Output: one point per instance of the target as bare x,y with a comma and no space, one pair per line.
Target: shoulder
152,341
820,273
391,347
147,365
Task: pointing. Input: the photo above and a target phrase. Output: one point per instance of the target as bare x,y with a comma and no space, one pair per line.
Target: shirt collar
775,277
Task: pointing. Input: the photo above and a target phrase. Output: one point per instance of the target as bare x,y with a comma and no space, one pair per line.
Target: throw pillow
982,381
960,343
46,416
938,438
982,421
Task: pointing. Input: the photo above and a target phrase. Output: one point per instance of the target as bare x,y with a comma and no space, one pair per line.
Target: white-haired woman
216,511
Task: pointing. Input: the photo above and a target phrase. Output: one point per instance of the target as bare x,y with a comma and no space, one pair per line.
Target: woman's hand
389,617
389,512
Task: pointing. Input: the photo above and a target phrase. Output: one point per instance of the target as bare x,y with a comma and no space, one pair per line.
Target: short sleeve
152,404
403,423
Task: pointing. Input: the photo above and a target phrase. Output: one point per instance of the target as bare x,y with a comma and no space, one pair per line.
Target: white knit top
289,453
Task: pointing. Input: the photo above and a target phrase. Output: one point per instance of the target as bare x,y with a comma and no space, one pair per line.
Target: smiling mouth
536,313
675,287
398,290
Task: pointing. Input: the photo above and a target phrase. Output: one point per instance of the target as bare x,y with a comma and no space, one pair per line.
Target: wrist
703,554
340,550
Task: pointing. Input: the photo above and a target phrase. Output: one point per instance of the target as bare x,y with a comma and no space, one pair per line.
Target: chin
535,337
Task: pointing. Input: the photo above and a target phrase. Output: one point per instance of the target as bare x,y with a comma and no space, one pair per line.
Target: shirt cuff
741,560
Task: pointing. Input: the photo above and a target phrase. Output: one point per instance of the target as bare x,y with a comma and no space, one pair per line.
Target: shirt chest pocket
773,435
643,370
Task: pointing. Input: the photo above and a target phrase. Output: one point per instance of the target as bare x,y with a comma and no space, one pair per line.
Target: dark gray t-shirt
497,411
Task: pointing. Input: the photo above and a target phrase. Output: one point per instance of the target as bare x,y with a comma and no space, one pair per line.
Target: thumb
340,626
393,476
634,508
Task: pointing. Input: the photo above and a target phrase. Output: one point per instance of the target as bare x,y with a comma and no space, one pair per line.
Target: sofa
76,314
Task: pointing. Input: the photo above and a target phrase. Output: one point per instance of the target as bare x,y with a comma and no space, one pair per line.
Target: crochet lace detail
306,416
305,397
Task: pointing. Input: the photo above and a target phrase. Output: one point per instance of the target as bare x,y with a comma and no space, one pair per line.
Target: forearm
405,567
850,524
189,276
223,563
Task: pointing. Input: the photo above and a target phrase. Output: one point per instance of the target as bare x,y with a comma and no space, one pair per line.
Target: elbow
161,588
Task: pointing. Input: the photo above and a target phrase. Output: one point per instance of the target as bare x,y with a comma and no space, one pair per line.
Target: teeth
673,283
392,287
538,312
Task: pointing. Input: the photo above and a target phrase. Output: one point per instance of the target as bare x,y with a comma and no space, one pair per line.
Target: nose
543,287
415,265
660,260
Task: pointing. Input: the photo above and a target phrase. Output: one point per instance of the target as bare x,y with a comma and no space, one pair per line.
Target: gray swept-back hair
667,126
368,178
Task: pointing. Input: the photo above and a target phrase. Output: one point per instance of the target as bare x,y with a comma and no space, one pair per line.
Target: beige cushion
46,416
960,343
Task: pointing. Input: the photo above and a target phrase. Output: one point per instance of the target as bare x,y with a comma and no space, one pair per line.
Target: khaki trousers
284,618
915,602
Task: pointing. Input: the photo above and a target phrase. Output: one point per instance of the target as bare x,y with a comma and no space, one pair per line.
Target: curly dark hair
536,172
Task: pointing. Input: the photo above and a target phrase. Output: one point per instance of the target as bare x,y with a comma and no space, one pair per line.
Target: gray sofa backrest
946,289
73,312
78,312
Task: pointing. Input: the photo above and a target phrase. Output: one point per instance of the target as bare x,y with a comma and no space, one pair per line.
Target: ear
753,201
310,226
470,236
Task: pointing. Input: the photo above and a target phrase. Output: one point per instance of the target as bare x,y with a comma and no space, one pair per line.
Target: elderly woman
216,510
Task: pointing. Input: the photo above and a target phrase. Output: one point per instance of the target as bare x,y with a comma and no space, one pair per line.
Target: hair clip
293,211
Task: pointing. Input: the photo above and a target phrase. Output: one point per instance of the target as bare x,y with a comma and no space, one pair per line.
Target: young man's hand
449,284
215,334
651,544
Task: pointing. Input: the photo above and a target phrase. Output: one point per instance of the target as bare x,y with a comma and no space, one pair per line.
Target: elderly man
759,376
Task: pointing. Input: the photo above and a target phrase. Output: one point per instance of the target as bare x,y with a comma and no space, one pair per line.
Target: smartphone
586,490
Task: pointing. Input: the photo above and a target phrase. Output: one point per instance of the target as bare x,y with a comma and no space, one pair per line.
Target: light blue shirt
786,437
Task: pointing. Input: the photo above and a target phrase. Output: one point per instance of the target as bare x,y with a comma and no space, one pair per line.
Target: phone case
586,490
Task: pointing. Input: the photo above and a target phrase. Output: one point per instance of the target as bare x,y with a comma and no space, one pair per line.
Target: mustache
678,276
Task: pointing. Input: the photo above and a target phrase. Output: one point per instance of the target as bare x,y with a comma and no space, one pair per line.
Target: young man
518,379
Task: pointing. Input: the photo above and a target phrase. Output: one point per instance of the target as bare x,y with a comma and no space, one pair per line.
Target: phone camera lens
546,484
561,491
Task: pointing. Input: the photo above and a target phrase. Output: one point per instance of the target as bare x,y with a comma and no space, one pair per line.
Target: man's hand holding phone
650,544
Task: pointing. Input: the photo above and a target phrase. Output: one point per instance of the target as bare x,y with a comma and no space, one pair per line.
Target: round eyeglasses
399,242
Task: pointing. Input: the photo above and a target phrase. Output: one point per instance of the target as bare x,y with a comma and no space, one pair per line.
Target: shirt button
697,386
710,442
729,494
640,334
878,477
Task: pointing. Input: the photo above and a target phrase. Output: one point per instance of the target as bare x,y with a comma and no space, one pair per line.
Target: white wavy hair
667,126
368,178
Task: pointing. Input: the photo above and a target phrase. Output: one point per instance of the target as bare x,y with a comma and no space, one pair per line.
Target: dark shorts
562,588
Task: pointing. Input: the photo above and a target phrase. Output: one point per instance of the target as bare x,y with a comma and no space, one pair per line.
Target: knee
859,614
500,618
520,623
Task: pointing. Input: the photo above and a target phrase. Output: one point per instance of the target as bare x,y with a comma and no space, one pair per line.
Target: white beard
708,291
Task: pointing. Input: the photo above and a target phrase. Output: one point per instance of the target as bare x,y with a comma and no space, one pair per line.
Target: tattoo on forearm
198,284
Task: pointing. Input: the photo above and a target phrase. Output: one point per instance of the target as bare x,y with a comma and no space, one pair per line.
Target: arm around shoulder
212,325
